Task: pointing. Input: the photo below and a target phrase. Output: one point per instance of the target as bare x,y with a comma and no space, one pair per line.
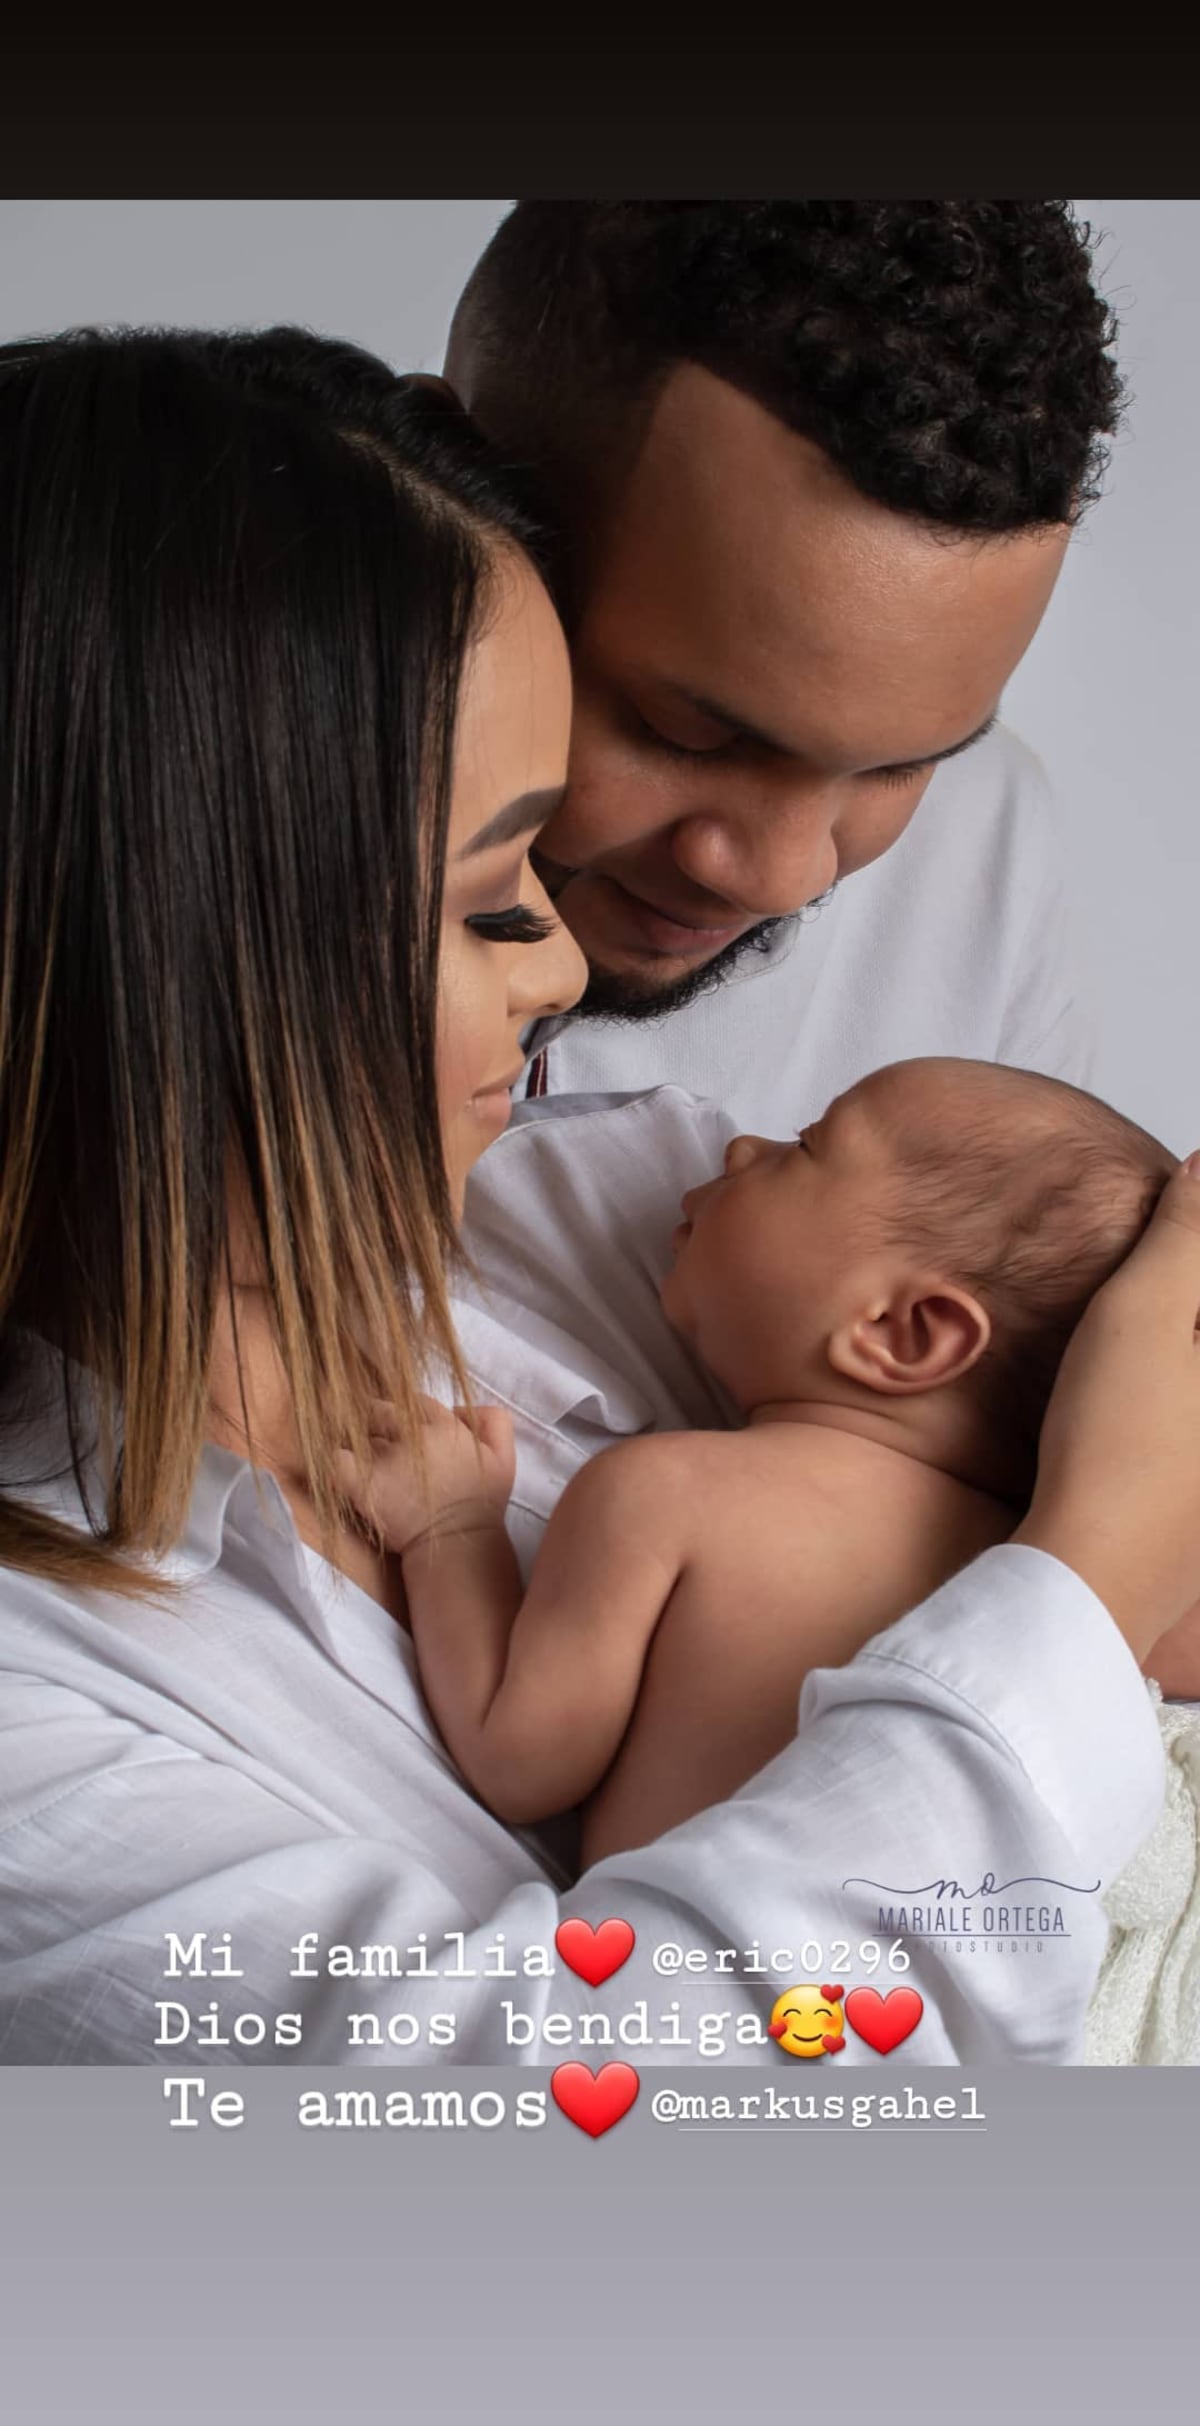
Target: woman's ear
925,1335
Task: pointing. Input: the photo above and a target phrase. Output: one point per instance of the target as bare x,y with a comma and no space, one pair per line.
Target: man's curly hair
953,358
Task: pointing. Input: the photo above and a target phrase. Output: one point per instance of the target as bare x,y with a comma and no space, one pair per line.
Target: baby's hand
469,1468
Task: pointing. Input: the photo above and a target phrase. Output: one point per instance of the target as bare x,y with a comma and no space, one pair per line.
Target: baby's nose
741,1152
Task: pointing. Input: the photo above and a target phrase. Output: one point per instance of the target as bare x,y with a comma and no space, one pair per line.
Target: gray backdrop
1106,692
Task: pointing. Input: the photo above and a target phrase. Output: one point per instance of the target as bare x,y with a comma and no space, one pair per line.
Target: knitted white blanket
1146,2009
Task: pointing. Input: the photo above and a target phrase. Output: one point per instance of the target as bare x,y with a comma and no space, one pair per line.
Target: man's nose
771,853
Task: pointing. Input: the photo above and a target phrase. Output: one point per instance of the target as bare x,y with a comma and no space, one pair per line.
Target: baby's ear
927,1333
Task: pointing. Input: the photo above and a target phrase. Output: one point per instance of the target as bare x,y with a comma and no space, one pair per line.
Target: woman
283,703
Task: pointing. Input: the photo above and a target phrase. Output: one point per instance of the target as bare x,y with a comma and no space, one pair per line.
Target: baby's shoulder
869,1522
777,1465
711,1472
808,1453
651,1463
814,1482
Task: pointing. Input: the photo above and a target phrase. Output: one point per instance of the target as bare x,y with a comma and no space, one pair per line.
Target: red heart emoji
833,2046
833,1996
594,2100
883,2021
594,1953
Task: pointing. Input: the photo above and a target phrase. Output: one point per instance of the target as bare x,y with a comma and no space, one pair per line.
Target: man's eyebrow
771,741
520,816
737,724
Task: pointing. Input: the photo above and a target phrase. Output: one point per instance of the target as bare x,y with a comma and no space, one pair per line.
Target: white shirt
956,941
257,1758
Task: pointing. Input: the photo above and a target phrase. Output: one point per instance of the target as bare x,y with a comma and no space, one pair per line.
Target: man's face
768,667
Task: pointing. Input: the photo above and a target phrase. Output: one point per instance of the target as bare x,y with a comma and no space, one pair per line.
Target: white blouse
210,1806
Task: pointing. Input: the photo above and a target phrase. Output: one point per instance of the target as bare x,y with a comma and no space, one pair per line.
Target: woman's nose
741,1152
548,977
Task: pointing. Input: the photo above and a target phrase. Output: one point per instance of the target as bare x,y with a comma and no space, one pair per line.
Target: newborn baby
885,1300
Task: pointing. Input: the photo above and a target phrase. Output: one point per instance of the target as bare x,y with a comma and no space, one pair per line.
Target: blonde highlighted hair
241,575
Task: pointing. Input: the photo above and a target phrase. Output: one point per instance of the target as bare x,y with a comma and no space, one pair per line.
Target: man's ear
926,1334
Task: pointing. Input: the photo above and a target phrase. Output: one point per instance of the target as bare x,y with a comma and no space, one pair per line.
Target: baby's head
944,1224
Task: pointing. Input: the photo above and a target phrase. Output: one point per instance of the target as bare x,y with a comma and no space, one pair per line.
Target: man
814,467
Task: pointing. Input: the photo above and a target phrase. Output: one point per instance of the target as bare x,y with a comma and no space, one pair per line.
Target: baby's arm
533,1694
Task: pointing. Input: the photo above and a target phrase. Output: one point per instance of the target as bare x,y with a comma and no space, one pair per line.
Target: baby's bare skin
686,1584
796,1544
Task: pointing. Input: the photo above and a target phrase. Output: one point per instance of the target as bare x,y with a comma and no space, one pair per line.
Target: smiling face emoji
807,2020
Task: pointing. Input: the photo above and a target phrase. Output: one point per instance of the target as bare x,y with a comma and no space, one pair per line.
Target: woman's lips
493,1105
673,937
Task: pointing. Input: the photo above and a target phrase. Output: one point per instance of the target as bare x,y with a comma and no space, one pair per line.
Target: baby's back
798,1542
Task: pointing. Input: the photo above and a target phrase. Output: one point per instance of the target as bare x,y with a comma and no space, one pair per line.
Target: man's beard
613,996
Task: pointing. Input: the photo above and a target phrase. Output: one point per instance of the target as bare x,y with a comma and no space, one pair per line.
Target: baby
885,1300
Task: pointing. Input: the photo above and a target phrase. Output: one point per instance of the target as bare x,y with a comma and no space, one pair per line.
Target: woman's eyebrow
519,816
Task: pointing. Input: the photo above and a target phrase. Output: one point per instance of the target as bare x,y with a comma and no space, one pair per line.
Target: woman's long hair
239,578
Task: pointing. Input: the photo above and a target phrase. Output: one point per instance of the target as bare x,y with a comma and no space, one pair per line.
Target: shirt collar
522,1359
221,1478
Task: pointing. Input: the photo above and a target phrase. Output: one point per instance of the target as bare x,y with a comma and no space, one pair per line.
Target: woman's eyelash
517,925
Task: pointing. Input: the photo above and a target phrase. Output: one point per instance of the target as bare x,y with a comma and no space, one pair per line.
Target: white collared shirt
256,1759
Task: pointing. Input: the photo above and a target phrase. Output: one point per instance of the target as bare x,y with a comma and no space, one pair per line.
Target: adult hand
1174,1661
1118,1487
